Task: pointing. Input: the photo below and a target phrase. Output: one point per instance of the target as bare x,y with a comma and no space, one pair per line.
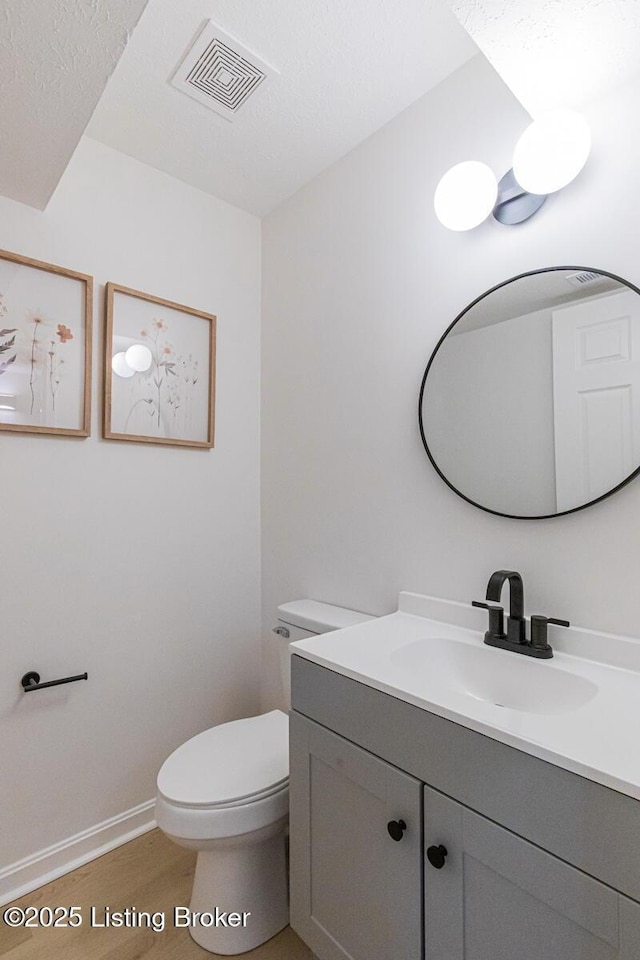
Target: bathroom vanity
430,818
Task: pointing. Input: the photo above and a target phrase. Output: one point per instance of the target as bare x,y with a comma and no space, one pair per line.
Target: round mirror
530,403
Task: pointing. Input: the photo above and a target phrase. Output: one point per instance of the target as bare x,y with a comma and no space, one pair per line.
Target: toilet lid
232,762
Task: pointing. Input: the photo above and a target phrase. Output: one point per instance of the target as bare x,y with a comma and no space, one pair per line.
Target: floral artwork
159,370
167,390
45,347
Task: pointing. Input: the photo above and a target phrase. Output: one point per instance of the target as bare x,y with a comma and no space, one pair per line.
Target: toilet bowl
225,793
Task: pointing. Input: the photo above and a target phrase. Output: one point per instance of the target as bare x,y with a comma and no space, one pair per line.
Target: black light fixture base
514,205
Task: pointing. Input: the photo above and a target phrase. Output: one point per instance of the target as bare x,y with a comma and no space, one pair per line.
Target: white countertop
406,655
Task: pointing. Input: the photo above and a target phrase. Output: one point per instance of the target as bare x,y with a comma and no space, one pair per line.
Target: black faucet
515,620
515,638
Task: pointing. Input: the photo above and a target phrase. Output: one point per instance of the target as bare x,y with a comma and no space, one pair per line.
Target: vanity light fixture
466,195
549,155
552,151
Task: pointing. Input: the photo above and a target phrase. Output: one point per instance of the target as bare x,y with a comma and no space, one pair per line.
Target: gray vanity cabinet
498,897
541,864
355,891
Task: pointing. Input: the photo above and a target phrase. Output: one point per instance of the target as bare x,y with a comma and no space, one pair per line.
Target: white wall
488,414
360,280
137,563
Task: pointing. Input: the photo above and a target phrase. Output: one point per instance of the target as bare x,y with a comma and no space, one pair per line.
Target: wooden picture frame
159,370
46,316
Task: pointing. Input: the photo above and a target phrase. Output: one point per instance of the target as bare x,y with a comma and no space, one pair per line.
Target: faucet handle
496,618
539,630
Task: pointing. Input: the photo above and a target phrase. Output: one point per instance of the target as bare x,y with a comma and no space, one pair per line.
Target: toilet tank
299,619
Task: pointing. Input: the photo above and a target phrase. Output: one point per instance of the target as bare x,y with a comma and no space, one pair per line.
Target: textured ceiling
346,68
55,59
556,52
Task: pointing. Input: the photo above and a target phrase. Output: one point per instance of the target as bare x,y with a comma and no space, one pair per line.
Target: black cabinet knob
396,829
436,856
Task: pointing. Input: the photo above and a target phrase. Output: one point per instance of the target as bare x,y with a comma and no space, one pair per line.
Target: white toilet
225,793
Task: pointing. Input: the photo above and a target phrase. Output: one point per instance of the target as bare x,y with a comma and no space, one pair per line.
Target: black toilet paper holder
31,681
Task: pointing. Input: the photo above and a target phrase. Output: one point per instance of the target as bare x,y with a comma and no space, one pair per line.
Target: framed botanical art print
159,376
45,347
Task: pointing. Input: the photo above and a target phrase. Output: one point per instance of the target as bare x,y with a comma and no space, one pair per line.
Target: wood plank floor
150,873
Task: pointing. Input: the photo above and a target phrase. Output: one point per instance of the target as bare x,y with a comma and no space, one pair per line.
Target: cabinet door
355,891
498,897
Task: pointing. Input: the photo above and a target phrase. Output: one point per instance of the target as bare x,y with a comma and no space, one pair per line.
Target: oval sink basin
498,677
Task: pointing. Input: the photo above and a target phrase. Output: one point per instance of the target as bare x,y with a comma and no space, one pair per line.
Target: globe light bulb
139,357
120,366
466,195
552,151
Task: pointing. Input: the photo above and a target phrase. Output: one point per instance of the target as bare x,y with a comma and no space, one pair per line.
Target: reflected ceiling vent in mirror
579,280
220,73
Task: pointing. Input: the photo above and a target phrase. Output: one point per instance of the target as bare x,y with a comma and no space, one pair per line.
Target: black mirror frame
498,513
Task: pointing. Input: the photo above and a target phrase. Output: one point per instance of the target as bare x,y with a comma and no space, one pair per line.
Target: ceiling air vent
583,278
220,73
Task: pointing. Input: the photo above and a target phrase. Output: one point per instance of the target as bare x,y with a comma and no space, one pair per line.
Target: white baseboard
27,875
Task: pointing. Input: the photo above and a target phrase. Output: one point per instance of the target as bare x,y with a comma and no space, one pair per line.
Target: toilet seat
229,804
195,826
233,764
